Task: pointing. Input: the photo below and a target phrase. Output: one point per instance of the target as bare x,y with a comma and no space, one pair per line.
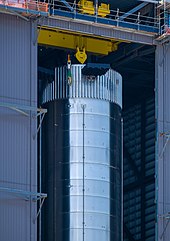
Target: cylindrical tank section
82,157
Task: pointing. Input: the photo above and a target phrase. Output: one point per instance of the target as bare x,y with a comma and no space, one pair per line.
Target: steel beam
150,1
98,30
67,5
50,37
143,156
133,10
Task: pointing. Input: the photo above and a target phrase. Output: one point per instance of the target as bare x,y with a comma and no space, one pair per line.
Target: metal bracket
27,196
41,114
165,216
39,210
38,32
167,135
12,12
22,110
18,15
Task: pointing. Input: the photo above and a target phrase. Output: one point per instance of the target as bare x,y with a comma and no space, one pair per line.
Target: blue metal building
142,59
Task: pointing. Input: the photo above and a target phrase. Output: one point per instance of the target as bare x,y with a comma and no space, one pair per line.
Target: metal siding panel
163,126
16,67
18,165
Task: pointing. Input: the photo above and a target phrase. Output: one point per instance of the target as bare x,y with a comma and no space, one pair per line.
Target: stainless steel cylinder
82,157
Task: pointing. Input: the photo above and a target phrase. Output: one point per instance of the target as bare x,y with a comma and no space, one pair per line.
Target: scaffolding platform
25,8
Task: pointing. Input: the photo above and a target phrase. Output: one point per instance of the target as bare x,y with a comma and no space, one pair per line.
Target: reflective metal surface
105,87
82,170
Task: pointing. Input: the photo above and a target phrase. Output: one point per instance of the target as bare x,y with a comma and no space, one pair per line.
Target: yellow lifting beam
104,10
87,7
99,46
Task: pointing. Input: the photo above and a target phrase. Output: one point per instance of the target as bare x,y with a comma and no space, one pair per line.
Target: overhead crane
80,43
83,11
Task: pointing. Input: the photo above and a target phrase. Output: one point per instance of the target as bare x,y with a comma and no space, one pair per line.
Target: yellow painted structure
66,40
86,7
81,56
104,10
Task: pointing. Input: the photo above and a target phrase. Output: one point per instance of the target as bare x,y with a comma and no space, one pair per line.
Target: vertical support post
75,8
164,17
117,17
40,189
122,180
53,7
163,126
143,124
33,122
138,20
83,108
96,9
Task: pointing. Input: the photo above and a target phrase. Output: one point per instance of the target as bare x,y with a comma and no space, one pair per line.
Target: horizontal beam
23,193
52,37
22,107
98,30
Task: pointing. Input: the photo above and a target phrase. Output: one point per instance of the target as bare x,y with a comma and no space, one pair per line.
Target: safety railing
26,6
102,14
164,22
86,10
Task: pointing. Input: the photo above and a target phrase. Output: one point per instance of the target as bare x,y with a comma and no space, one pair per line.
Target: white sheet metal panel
105,87
163,154
18,149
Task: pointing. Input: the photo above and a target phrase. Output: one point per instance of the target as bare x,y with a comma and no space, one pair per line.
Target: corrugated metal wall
139,172
163,142
18,149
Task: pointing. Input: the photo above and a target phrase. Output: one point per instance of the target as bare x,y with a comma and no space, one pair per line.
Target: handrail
74,10
57,7
164,21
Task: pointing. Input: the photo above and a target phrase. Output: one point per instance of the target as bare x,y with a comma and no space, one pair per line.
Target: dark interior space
136,63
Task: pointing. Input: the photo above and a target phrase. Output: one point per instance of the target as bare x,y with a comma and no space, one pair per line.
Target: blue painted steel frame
107,21
133,10
85,17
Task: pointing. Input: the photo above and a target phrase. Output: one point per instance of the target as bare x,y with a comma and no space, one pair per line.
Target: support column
163,142
18,126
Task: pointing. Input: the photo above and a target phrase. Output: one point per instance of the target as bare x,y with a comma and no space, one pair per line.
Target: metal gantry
80,12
